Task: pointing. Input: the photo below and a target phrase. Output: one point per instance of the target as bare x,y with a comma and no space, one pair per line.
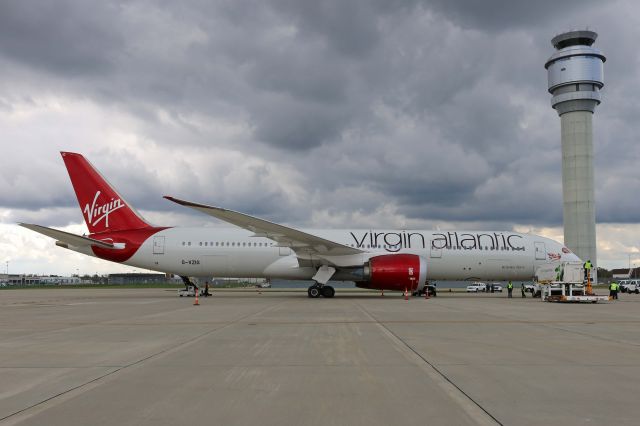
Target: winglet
190,203
176,200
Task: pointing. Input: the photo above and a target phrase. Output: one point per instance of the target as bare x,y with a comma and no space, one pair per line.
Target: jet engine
395,272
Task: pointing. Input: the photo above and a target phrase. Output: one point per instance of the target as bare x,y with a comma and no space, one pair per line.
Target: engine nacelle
395,272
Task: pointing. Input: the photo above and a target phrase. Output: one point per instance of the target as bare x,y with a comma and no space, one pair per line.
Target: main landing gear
318,290
320,287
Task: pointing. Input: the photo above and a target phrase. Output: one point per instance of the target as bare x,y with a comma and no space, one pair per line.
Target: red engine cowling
395,272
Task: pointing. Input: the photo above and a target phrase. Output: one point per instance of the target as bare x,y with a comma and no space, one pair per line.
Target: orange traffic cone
382,294
426,293
406,294
196,302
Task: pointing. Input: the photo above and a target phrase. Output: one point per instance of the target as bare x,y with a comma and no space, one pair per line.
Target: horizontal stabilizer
68,238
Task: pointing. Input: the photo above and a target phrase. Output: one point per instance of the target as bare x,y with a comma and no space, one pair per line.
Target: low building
137,278
625,273
27,280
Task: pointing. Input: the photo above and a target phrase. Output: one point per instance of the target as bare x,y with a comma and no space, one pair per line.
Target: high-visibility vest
613,286
588,265
510,285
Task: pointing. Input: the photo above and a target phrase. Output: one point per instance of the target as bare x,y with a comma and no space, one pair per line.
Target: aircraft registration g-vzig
378,259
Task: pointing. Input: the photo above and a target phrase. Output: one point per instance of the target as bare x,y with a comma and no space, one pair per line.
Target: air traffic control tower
575,76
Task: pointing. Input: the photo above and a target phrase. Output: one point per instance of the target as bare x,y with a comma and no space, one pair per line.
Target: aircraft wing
298,241
66,237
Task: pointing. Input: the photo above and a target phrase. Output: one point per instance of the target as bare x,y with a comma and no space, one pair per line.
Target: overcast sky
356,114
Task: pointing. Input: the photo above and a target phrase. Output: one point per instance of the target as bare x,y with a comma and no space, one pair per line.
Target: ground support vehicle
431,288
569,292
494,288
476,287
191,291
564,282
630,286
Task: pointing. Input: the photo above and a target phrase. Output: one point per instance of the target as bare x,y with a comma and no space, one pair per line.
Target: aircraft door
435,252
158,245
541,251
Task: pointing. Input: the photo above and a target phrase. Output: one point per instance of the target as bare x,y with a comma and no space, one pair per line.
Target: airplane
401,260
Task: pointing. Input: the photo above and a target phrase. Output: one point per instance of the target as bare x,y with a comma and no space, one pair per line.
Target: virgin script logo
97,212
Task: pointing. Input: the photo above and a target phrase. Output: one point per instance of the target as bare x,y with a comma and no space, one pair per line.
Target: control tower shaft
575,77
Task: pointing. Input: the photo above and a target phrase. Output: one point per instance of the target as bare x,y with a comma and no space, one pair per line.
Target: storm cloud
327,113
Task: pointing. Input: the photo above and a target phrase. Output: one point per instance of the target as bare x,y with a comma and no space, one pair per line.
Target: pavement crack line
19,415
556,325
471,407
593,336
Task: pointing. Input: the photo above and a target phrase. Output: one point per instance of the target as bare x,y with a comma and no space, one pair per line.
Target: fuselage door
541,251
158,245
435,252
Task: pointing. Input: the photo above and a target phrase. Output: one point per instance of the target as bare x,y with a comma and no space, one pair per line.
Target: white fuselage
454,255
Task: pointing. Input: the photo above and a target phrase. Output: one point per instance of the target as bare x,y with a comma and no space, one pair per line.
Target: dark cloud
349,28
64,37
308,111
501,15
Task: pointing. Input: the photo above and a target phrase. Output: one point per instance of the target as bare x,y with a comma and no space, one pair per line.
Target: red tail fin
103,208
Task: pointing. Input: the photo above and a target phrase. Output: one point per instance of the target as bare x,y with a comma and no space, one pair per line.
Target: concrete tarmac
148,357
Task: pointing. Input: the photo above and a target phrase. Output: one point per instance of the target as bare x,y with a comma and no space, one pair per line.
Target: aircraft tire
314,292
328,291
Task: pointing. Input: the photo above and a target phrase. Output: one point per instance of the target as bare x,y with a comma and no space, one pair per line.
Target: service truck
564,282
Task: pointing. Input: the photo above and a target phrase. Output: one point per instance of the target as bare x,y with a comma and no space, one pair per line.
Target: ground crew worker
524,296
587,269
510,289
435,290
206,289
613,290
559,272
